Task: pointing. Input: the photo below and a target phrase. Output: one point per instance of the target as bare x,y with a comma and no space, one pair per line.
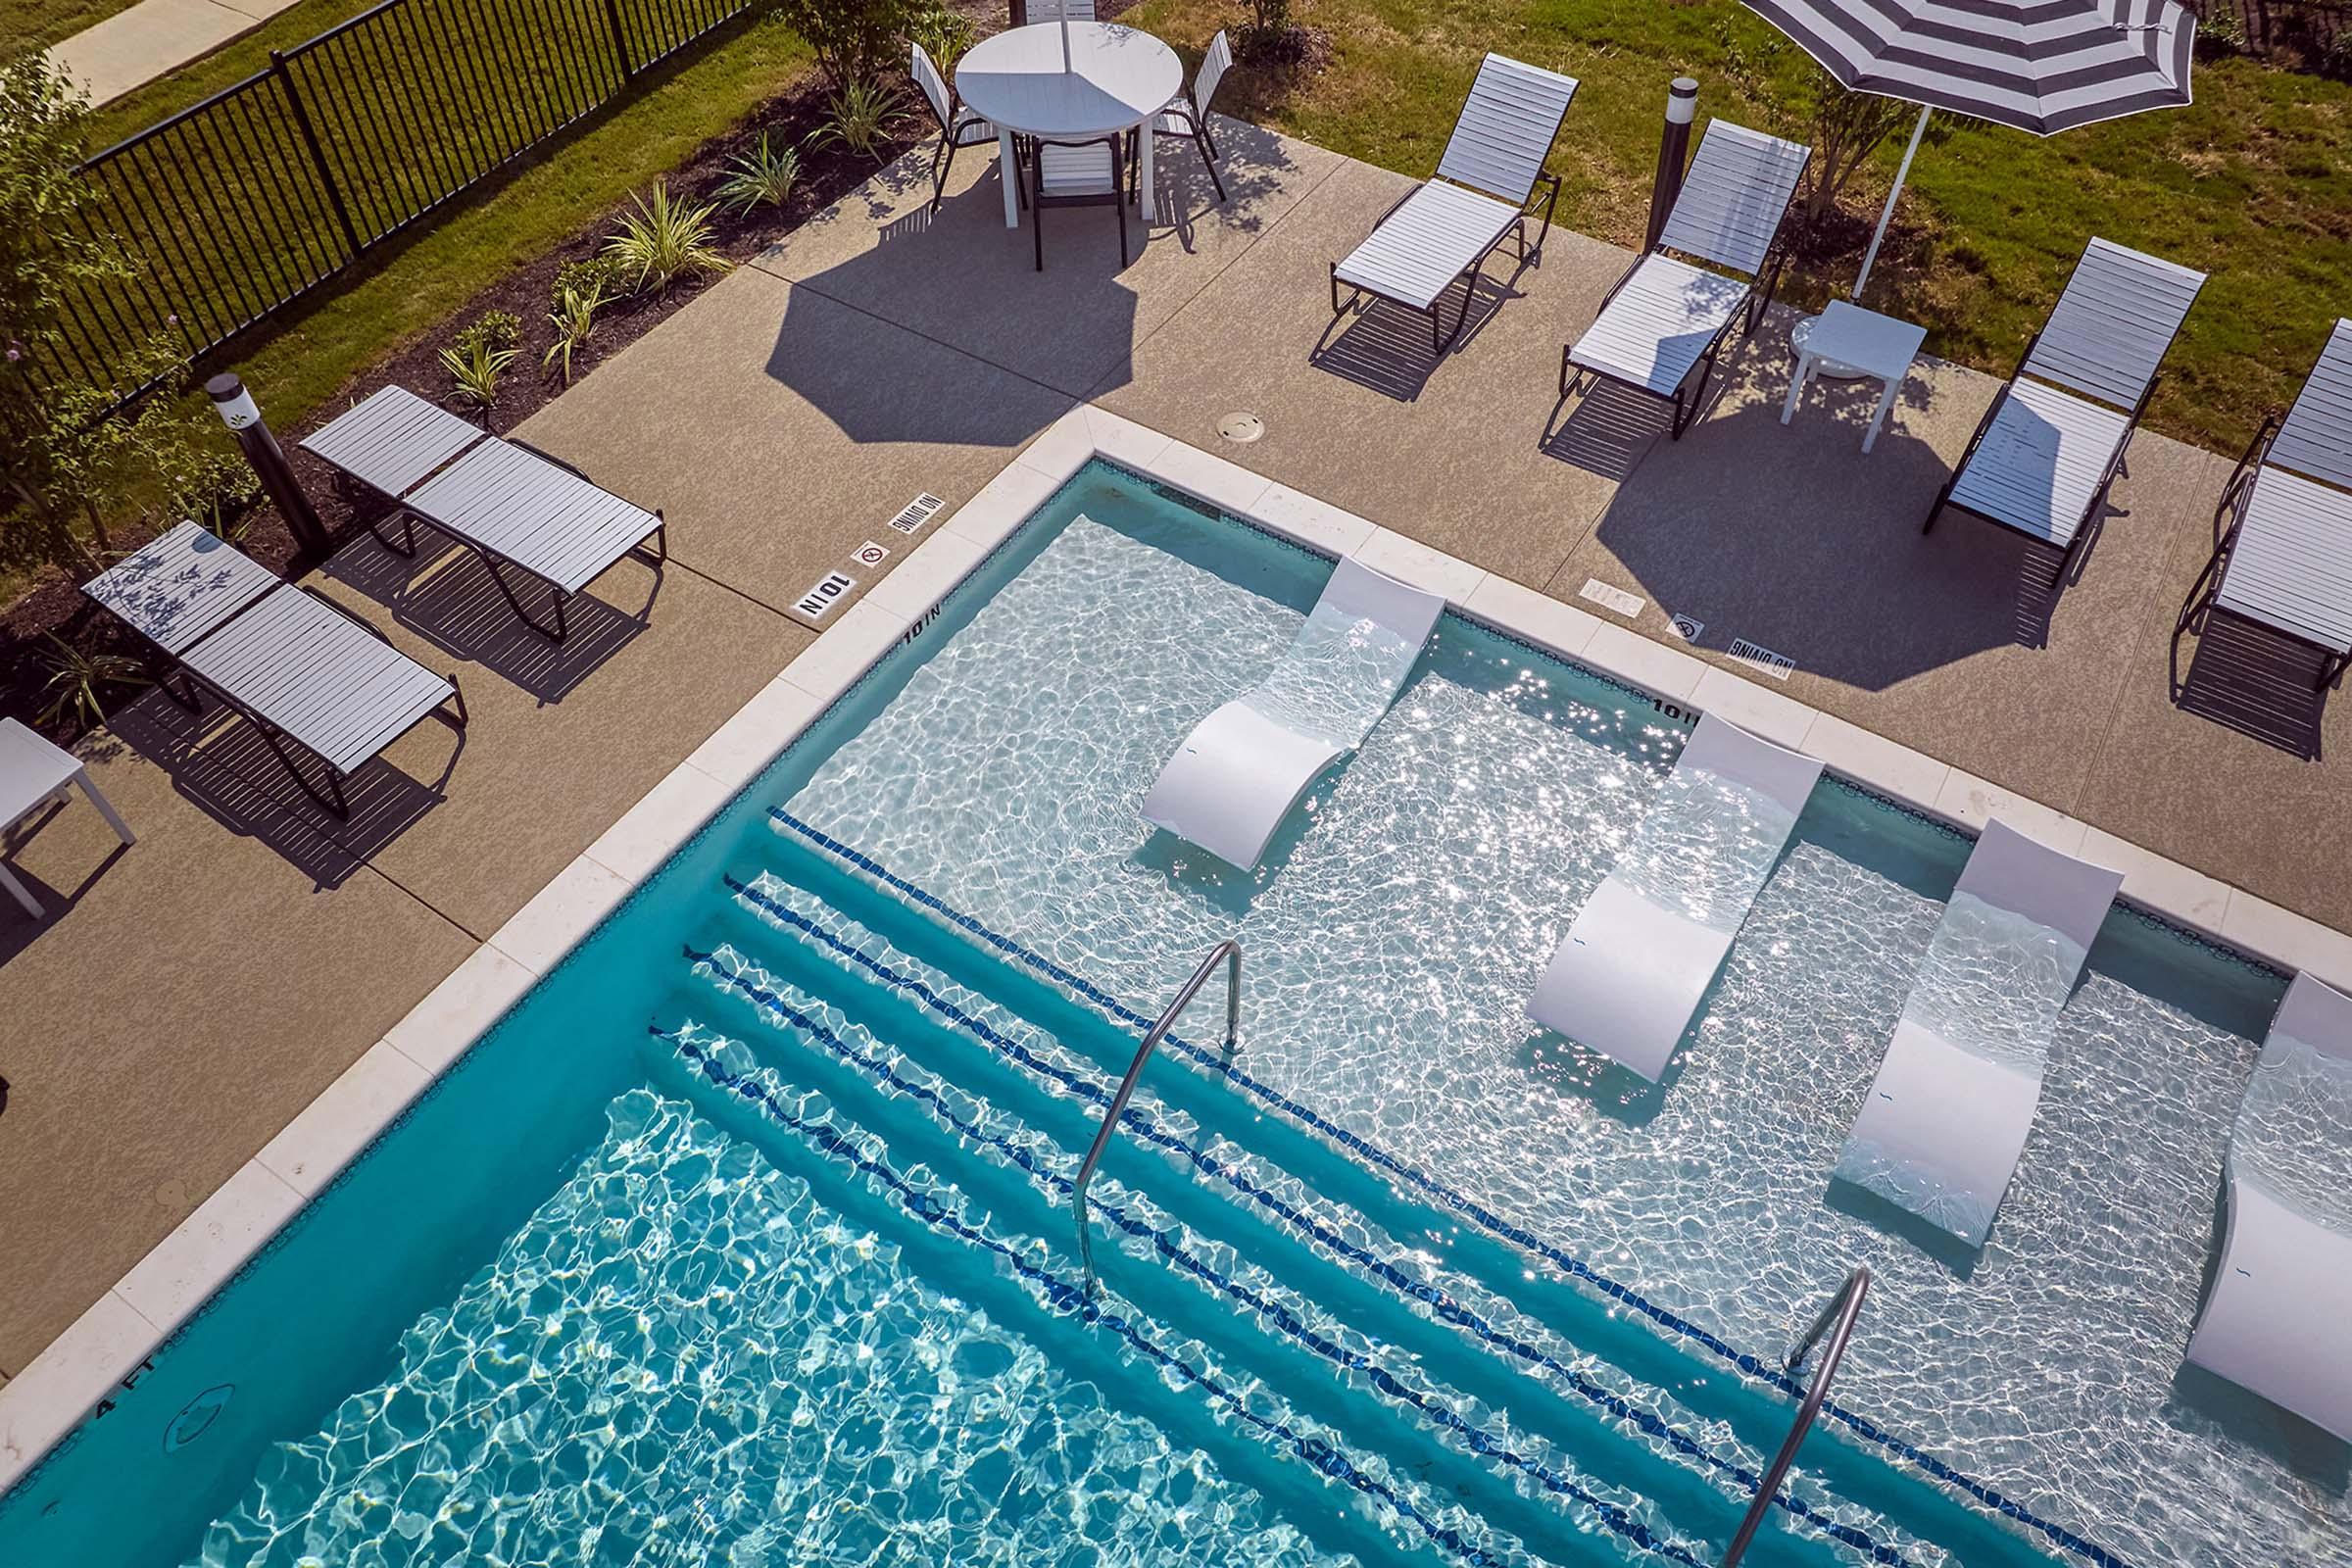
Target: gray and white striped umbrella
2042,66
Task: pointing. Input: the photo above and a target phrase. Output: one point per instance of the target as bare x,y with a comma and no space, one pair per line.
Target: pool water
747,1237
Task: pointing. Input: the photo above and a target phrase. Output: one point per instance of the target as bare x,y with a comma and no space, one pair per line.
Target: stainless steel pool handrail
1838,1319
1229,952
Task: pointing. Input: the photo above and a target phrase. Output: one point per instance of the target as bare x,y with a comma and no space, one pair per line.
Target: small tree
1847,129
69,463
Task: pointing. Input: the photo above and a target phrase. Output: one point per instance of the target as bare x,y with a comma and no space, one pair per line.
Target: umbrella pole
1887,216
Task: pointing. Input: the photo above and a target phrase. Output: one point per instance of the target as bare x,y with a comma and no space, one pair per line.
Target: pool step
1694,1469
1881,1510
1544,1420
956,1232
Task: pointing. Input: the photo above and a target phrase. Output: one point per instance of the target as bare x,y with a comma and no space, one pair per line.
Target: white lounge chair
1644,947
2276,1321
1947,1115
2286,559
1446,228
297,666
2047,450
1237,775
1666,317
510,506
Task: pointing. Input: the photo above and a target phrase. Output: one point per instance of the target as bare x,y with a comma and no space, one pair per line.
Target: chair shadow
19,930
1607,430
1386,348
1892,1219
451,600
219,761
2263,685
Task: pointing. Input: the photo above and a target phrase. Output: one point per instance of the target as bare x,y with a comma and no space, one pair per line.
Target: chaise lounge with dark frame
2285,560
1445,228
297,665
1667,318
512,506
2046,453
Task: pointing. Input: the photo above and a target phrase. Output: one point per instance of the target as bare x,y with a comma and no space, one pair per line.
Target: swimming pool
746,1238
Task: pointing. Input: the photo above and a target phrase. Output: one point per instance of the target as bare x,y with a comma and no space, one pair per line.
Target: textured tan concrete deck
186,997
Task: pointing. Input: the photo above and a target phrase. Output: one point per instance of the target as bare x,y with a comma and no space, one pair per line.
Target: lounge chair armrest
2257,452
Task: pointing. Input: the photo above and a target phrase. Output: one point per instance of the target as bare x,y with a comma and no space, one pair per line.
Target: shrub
574,316
856,40
589,276
662,239
477,358
76,677
861,118
945,35
765,175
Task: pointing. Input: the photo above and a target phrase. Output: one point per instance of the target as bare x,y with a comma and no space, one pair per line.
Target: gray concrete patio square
780,429
1360,412
1958,642
185,999
962,278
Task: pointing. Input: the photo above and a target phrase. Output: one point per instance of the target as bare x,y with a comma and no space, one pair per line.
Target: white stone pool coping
62,1385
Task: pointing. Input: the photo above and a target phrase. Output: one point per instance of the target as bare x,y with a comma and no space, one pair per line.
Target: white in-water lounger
1947,1115
1237,775
2277,1319
1646,945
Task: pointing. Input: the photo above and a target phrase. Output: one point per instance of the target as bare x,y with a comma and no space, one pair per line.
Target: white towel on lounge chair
2276,1322
1646,946
1237,775
1947,1115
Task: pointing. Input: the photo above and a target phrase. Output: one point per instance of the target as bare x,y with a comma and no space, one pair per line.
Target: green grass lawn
30,24
2252,184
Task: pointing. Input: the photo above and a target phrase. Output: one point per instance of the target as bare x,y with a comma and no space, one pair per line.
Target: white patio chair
1086,173
2273,1322
2046,452
1644,950
1237,775
1444,230
958,127
1947,1116
2285,560
1189,120
1666,317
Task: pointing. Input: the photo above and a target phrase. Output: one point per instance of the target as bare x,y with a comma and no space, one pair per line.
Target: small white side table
1864,343
33,774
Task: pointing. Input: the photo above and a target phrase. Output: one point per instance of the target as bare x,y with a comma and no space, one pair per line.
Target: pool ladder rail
1227,953
1837,1320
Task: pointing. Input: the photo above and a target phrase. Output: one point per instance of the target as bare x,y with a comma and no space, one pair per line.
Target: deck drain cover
1243,427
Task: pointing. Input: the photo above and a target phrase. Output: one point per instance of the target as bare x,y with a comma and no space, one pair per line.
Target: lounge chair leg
1935,511
334,802
1208,156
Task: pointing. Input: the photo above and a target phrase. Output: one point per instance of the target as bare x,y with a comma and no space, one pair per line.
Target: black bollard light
242,414
1682,108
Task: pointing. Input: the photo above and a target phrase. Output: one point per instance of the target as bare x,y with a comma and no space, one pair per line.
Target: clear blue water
746,1238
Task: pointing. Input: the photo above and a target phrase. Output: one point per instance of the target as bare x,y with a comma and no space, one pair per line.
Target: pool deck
186,999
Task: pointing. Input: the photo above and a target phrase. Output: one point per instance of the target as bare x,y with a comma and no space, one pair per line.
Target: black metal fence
243,204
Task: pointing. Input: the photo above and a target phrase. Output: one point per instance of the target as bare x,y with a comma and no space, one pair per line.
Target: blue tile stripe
1754,1365
1072,1301
1480,1441
1146,1127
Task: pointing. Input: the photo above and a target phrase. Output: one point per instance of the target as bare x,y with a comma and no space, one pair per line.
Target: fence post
310,140
620,39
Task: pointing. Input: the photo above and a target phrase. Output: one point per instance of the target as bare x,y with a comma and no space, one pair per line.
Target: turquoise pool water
746,1238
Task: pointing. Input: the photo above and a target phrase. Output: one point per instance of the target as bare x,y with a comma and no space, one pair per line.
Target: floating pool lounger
1237,775
1646,945
1947,1115
2276,1320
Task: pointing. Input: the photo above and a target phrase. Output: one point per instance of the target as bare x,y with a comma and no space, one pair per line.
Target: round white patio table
1117,78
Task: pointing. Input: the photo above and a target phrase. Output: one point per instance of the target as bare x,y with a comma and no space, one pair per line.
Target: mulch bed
827,174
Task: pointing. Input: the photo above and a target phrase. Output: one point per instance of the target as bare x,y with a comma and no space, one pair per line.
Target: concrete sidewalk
152,38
